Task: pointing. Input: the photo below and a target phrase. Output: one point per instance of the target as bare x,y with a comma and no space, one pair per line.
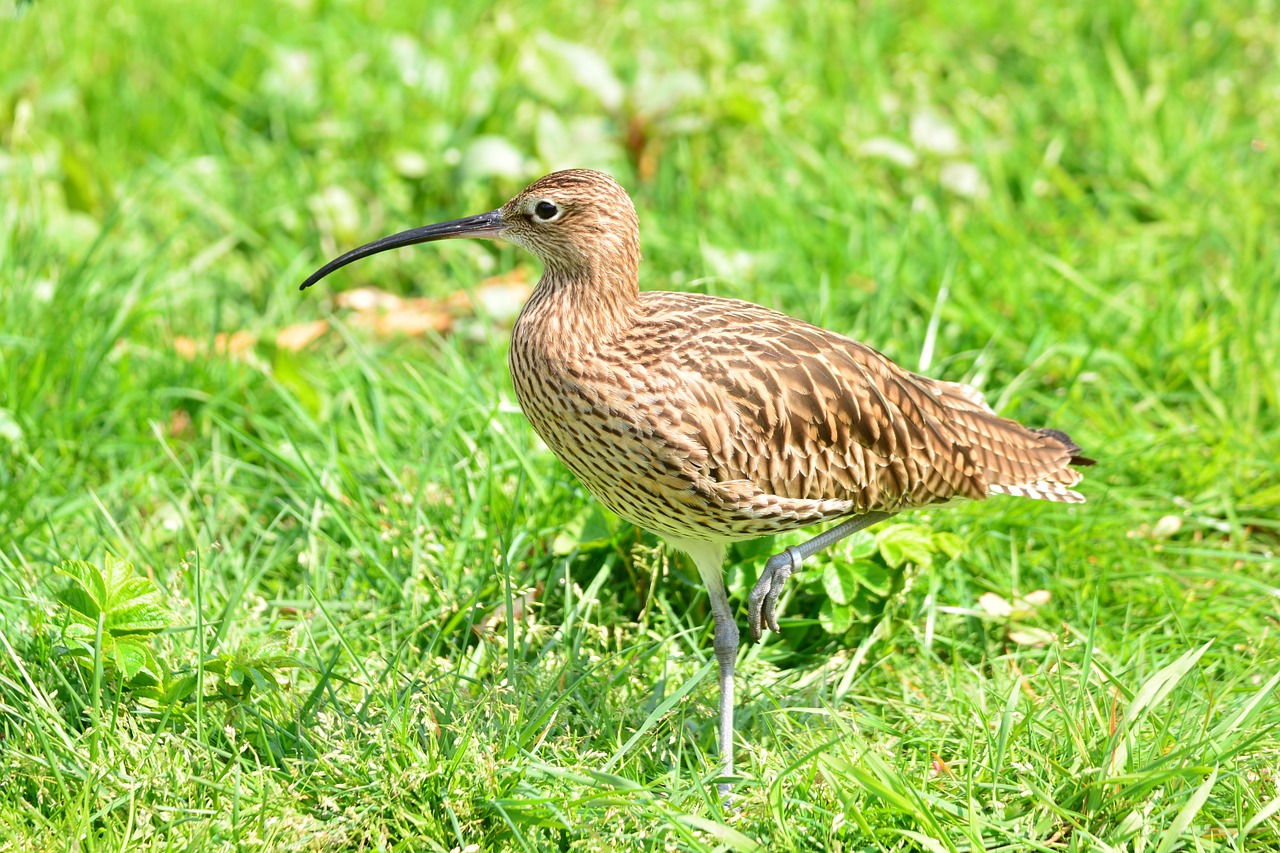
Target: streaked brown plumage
710,420
755,423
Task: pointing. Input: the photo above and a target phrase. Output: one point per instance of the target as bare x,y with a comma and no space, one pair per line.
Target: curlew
709,420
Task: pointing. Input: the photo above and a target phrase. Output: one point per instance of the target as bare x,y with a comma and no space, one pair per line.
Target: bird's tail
1014,459
1067,442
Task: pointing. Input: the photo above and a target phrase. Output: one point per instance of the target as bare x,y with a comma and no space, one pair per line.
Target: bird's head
579,223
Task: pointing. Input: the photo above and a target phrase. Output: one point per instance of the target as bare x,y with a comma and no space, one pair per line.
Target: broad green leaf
859,546
131,656
129,603
148,678
179,689
268,663
835,618
116,571
254,664
261,680
128,607
138,617
132,602
599,527
81,650
873,576
81,604
948,543
905,543
89,579
591,528
217,665
866,605
125,590
840,582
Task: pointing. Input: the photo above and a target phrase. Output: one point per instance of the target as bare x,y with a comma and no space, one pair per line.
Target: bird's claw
762,603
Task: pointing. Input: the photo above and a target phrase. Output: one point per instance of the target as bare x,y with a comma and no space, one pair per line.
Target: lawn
290,571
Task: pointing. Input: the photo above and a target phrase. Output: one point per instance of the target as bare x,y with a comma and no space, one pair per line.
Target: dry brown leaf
503,301
500,296
1037,598
1031,637
179,423
995,605
236,345
386,314
413,317
366,299
300,335
185,347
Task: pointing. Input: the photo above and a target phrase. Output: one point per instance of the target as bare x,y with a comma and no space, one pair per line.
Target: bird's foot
763,601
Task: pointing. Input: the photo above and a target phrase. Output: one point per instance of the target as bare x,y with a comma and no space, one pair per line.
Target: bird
708,420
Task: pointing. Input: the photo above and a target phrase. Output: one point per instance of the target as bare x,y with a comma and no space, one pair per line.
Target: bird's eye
545,210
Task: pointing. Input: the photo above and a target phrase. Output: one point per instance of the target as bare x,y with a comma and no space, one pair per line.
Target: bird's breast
620,423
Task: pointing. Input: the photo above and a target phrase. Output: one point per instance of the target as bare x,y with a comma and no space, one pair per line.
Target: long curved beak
487,225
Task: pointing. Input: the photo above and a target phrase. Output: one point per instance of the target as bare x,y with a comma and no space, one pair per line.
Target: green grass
483,660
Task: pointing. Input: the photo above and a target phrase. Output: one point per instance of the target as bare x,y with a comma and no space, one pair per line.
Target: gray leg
726,648
709,558
763,600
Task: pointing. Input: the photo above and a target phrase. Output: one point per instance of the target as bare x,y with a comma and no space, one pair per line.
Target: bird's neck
589,306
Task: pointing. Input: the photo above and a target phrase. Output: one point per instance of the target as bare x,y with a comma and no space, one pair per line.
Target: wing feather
802,413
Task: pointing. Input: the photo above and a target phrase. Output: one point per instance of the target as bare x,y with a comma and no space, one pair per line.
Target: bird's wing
803,413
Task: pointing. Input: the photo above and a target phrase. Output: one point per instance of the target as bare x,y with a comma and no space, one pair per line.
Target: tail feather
1067,442
1014,459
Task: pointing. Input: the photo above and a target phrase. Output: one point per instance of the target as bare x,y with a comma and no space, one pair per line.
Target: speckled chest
610,434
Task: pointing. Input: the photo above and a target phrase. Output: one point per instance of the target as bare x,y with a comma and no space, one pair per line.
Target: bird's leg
726,649
763,600
709,559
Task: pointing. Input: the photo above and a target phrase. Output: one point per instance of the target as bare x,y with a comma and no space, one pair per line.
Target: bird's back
704,417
